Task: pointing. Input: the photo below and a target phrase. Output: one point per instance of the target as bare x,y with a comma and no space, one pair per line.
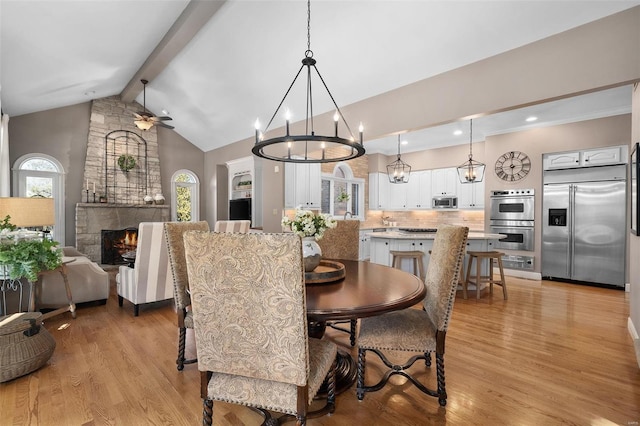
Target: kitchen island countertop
400,235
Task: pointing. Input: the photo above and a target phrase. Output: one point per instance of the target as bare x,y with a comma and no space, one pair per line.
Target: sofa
88,282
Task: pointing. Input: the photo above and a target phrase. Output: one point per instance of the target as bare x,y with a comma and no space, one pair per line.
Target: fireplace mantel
92,218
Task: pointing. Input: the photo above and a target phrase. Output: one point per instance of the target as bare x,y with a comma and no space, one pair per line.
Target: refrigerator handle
571,245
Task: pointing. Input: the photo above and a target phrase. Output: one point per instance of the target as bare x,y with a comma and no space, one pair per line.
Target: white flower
307,224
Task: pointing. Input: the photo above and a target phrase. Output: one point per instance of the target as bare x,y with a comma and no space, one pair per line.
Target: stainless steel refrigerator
584,224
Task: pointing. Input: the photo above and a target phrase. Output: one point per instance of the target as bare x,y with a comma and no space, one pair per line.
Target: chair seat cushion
408,330
270,395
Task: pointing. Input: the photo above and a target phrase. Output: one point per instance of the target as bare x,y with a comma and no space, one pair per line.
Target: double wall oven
512,214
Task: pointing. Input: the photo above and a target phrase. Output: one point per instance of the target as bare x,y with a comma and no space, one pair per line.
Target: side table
62,269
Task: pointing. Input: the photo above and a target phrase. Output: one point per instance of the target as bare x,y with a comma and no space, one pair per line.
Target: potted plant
26,258
343,197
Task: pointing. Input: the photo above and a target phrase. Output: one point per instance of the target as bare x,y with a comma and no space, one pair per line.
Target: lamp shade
28,212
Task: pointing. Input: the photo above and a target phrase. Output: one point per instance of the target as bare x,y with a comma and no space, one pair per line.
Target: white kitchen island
381,243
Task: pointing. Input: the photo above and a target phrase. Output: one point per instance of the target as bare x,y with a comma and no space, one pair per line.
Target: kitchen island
421,239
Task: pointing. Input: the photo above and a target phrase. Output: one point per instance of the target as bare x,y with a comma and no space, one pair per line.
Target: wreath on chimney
126,162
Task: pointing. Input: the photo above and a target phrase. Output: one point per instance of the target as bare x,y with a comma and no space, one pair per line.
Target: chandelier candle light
398,171
471,171
310,147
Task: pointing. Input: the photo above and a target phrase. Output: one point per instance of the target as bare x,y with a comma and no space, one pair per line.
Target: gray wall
63,133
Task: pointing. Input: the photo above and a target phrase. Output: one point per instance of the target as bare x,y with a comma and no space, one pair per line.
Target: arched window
40,175
185,198
343,193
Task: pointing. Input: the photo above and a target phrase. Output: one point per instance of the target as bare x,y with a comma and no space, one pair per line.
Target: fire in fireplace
116,243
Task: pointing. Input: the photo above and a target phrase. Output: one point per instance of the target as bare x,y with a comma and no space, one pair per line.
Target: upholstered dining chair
342,242
249,317
150,279
415,330
174,232
232,226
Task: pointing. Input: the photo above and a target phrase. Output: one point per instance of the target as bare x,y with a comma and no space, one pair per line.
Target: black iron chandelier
471,171
398,171
310,147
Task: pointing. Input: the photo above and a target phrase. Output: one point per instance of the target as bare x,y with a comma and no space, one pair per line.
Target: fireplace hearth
116,243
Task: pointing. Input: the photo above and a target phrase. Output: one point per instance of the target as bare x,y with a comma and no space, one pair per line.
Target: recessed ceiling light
531,119
404,143
457,132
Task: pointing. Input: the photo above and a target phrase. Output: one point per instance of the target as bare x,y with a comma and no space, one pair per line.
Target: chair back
232,226
174,232
444,272
152,275
341,242
248,300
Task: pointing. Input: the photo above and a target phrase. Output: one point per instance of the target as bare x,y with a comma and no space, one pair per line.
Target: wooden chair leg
504,282
491,276
466,280
478,275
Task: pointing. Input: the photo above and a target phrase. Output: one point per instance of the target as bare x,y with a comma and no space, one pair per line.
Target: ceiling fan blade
138,116
145,114
165,118
161,124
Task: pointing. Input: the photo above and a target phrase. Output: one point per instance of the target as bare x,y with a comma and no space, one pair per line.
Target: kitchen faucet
347,213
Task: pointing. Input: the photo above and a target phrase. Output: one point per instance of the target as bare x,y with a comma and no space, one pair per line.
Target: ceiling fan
145,119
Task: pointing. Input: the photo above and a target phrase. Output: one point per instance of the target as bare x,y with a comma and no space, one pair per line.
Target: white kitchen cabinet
303,185
444,181
397,194
365,245
470,195
419,190
378,191
585,158
379,251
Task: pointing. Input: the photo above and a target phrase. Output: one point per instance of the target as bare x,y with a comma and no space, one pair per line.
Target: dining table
367,289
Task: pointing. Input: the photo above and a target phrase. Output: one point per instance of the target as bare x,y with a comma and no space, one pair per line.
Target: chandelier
398,171
309,147
471,171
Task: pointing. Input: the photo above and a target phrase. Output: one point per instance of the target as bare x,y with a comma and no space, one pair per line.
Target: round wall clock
513,166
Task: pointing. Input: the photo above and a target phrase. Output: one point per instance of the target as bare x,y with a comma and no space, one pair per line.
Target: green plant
343,197
5,224
126,162
27,258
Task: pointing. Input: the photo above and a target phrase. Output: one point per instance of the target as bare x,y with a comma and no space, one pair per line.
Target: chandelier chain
308,25
470,139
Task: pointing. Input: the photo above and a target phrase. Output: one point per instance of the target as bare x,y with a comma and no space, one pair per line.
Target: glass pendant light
471,171
398,171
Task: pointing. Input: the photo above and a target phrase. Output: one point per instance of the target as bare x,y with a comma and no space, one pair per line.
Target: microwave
444,202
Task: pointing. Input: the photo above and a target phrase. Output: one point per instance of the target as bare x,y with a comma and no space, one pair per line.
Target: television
240,209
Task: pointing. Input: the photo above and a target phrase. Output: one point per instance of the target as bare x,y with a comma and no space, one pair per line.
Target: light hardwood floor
554,353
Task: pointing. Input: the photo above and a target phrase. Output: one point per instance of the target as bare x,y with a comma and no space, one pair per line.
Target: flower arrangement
308,224
343,197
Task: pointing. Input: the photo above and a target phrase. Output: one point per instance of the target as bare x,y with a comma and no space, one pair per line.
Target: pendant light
398,171
309,147
471,171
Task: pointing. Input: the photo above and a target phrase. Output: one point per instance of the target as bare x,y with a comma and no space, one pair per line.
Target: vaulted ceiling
216,66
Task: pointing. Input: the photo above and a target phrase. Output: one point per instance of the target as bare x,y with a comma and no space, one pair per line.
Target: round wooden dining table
368,289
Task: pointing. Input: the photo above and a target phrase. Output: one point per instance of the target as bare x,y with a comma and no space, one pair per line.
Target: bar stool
416,256
479,256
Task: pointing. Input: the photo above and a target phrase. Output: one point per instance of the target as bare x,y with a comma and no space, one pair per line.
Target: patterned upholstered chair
174,232
232,226
415,330
342,242
249,317
150,279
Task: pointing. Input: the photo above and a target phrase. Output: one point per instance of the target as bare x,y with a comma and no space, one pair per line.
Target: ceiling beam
195,15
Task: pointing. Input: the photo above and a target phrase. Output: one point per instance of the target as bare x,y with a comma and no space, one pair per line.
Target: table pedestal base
346,370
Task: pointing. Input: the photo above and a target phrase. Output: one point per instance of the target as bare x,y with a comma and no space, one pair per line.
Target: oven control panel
512,192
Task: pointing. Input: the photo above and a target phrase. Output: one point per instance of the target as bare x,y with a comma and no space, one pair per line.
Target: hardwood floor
554,353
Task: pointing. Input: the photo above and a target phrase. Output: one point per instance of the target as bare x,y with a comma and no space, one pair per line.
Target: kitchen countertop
400,235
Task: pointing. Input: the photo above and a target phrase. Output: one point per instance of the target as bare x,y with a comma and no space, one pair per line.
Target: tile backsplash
474,219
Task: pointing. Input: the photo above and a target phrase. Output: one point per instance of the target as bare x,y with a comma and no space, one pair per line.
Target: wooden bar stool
479,256
416,256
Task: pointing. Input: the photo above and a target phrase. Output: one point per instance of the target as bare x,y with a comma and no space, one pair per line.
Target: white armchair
150,279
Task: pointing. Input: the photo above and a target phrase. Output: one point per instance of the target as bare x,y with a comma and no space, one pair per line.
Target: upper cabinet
585,158
470,195
378,191
418,190
303,185
444,181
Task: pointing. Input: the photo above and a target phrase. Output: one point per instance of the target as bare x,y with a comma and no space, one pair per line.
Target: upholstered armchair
174,232
415,330
342,242
232,226
250,322
150,279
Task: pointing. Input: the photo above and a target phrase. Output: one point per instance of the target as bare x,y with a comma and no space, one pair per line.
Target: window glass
184,197
342,193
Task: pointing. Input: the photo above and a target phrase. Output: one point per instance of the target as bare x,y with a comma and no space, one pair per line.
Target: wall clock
513,166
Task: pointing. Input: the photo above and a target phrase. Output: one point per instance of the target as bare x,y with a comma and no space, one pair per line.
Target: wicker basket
25,345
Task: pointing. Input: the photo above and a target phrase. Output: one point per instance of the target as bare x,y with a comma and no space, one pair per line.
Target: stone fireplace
121,204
